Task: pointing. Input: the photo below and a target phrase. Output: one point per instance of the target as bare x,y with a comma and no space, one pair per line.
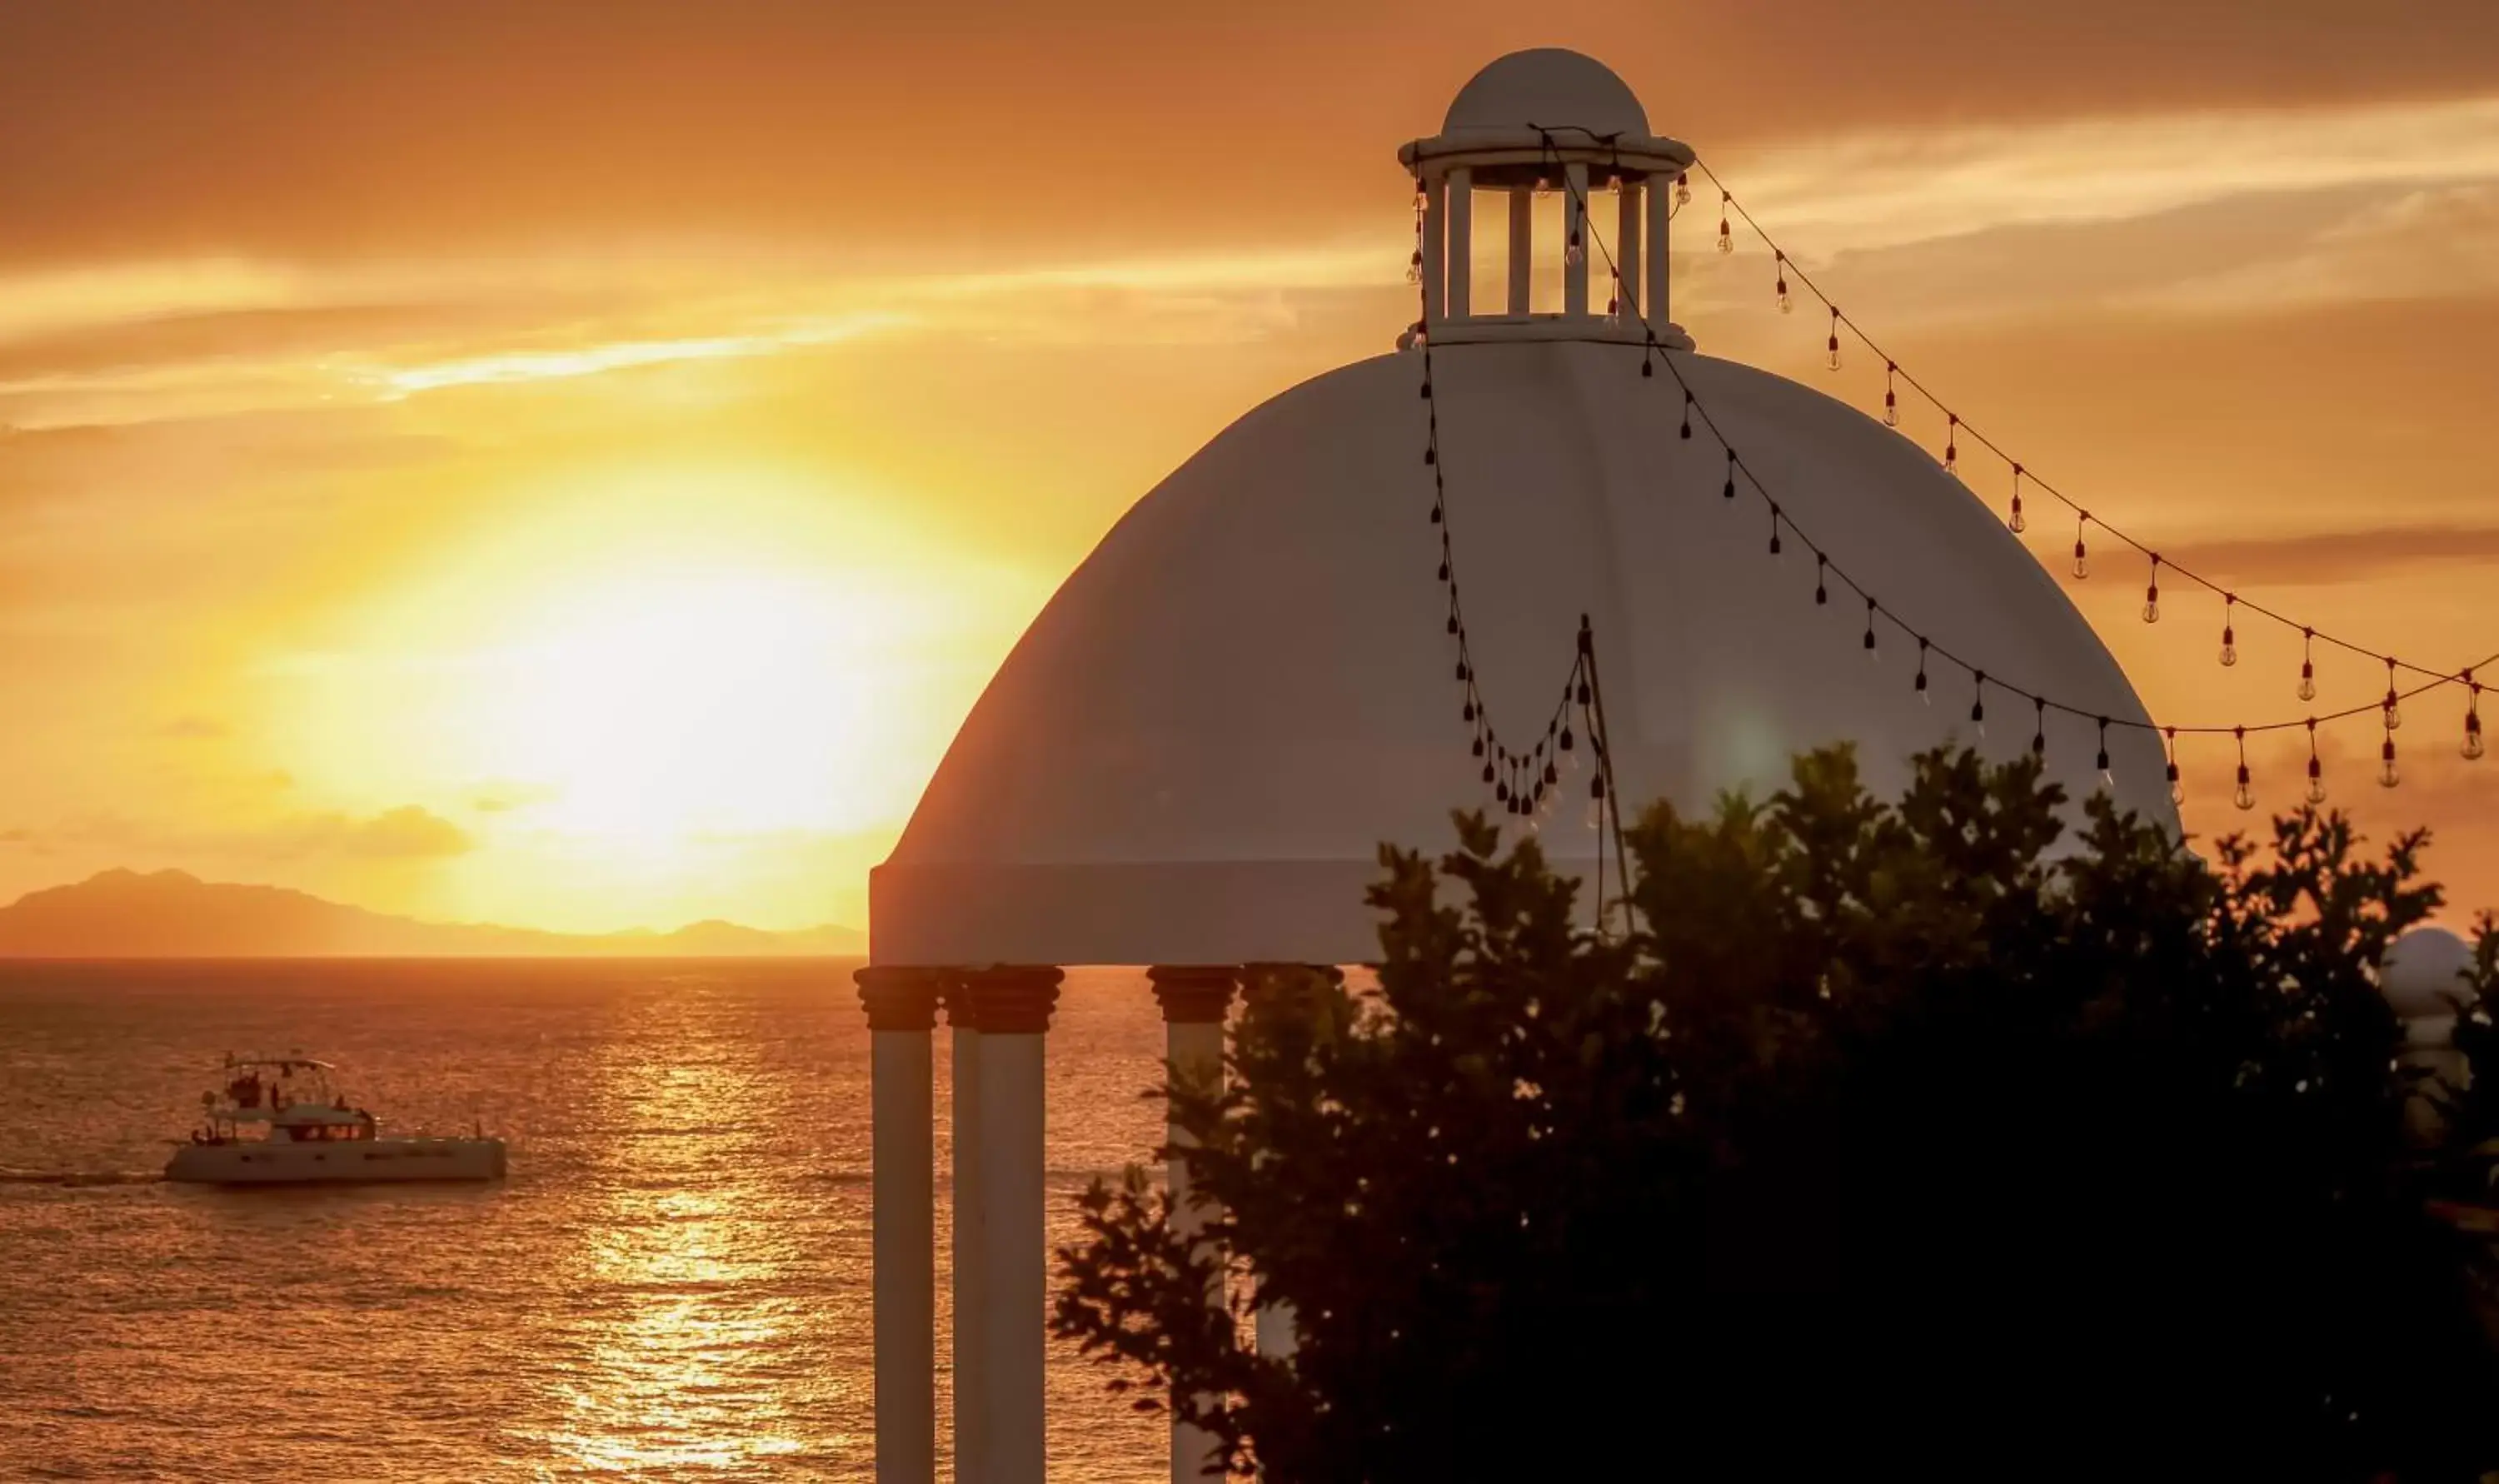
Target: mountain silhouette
174,915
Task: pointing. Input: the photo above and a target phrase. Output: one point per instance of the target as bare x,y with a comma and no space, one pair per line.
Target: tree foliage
1913,1133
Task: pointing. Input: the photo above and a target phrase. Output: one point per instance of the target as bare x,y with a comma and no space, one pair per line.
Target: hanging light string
1523,779
1894,373
1828,569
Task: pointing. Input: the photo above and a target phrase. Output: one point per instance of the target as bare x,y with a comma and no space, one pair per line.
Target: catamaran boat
278,1120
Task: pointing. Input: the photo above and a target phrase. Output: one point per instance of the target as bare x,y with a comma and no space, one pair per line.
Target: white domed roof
1195,750
2423,968
1547,87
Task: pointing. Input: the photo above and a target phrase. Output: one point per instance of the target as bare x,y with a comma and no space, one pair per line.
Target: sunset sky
575,464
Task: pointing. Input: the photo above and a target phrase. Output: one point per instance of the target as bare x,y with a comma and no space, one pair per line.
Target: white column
1574,276
1522,248
1461,211
1626,250
1282,989
971,1373
1012,1006
901,1006
1193,1000
1661,195
1434,253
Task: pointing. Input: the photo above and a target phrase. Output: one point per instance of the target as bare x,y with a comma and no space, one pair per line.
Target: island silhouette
123,914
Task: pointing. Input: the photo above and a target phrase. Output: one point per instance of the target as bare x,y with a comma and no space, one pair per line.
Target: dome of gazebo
1194,753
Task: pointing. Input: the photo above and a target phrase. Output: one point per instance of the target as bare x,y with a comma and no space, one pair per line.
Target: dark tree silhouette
1895,1136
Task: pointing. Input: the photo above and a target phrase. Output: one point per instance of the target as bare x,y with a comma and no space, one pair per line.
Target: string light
2316,767
1834,337
2017,522
2246,796
2229,630
2039,731
2152,593
2082,554
1787,306
1824,566
2395,714
2387,777
2108,778
1774,529
1683,189
2472,748
1726,233
2471,724
1821,589
1952,444
1730,208
2308,665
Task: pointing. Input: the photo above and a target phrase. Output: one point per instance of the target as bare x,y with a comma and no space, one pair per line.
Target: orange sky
574,467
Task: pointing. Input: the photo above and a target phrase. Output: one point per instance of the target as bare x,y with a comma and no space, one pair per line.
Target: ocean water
672,1285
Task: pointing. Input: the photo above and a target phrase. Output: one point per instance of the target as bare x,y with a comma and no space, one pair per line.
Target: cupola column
1659,193
1435,249
1574,229
1461,211
901,1006
1194,999
1012,1006
1523,249
1627,249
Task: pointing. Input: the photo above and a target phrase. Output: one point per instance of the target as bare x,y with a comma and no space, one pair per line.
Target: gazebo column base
1012,1007
901,1006
1194,1000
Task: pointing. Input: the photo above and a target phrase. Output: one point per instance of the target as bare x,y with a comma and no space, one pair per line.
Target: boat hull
338,1162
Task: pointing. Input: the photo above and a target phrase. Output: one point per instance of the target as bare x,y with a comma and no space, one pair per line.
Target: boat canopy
286,1064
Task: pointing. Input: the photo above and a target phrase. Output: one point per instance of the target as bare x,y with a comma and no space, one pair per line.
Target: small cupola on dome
1548,119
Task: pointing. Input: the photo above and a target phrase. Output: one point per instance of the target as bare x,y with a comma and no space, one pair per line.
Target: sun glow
654,705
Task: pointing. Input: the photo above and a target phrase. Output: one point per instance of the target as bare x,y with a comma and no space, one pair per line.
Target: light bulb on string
2039,728
1951,444
1571,253
1682,188
1924,695
2395,716
2308,665
2082,553
2017,522
2316,767
2108,778
1870,653
1978,700
1891,398
2152,593
1596,815
1414,266
2177,787
1774,528
1821,587
2246,796
2472,748
1787,306
1729,492
1687,412
2387,777
1834,337
2229,630
1726,232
